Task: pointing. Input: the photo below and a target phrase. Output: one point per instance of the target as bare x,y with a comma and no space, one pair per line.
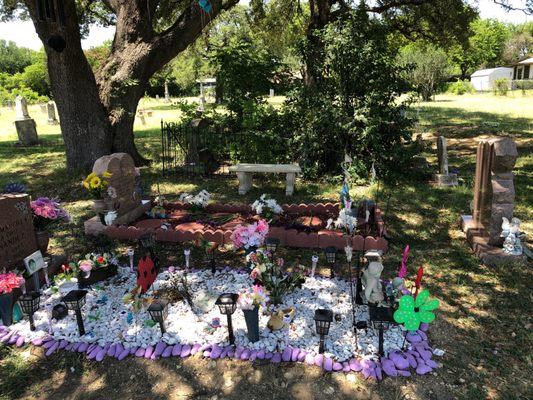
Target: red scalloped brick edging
190,231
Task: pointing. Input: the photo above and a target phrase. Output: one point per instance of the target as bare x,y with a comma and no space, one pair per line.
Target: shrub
524,85
362,117
501,86
460,88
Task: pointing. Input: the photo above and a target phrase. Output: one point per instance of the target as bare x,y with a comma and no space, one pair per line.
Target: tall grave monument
444,178
494,196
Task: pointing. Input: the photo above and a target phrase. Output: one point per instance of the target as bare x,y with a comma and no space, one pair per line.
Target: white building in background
483,79
523,70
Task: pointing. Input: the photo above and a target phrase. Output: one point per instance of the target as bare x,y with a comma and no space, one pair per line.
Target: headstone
44,108
51,109
26,128
494,187
444,178
21,108
157,97
122,180
167,93
17,234
271,94
123,195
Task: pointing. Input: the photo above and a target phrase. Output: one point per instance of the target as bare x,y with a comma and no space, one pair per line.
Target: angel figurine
512,243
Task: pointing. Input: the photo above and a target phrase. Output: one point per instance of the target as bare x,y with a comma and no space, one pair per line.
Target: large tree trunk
320,16
84,121
97,113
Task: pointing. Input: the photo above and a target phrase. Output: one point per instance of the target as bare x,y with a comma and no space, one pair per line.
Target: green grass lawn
483,324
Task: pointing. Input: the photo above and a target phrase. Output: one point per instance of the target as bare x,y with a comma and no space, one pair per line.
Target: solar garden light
272,245
227,302
323,319
75,300
29,302
381,320
314,261
131,253
187,254
331,253
210,259
158,312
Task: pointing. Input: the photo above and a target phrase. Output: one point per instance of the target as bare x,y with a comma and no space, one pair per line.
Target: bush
361,117
501,86
524,85
460,88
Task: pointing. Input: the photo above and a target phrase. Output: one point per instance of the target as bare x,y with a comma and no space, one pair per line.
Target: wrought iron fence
203,149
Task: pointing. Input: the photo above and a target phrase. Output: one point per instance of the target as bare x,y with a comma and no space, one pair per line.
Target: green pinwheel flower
412,312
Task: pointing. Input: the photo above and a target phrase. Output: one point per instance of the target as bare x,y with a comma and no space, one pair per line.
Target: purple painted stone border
398,363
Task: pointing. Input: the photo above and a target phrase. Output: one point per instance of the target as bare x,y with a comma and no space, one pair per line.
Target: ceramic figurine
281,318
512,243
110,217
373,292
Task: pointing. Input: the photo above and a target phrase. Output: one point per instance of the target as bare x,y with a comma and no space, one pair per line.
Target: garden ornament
403,267
418,281
512,243
373,292
110,217
413,311
281,318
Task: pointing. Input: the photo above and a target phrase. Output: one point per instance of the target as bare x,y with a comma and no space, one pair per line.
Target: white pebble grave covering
112,329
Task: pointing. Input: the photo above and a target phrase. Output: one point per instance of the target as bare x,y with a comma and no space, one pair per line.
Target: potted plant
8,282
95,268
46,212
249,302
97,186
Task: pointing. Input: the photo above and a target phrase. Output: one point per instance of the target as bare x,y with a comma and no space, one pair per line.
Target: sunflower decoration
413,311
96,184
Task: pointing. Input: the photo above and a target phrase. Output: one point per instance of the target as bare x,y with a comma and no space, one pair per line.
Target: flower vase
6,308
252,323
42,238
247,252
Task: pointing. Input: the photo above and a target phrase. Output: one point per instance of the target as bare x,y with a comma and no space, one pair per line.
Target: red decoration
146,273
418,281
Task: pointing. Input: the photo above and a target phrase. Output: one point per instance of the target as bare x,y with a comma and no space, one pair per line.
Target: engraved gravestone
121,192
51,109
26,128
17,235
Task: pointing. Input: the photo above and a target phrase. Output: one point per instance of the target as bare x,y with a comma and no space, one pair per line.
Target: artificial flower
10,281
412,312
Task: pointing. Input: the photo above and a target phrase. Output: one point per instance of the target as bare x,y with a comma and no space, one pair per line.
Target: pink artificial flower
10,281
254,274
281,262
86,265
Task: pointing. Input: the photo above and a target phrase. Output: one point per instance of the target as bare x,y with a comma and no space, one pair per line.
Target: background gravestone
17,234
444,178
51,110
26,128
494,187
122,169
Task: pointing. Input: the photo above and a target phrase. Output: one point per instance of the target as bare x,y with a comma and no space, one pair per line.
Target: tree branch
386,6
527,9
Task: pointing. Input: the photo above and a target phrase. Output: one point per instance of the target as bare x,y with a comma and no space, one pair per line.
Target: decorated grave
295,225
264,315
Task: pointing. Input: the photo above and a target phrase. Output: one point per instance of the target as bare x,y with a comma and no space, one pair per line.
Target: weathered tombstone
17,234
26,128
123,195
44,108
444,178
271,94
493,199
157,97
167,93
51,110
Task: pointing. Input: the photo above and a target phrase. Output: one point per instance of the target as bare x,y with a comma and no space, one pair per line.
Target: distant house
483,79
523,70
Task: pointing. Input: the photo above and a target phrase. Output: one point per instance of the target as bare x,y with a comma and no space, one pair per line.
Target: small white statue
110,217
373,292
511,232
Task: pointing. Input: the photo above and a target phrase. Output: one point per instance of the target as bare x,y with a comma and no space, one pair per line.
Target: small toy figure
281,318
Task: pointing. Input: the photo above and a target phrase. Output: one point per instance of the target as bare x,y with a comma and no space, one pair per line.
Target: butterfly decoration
403,267
205,5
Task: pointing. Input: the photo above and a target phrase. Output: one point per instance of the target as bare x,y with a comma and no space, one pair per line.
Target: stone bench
246,171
